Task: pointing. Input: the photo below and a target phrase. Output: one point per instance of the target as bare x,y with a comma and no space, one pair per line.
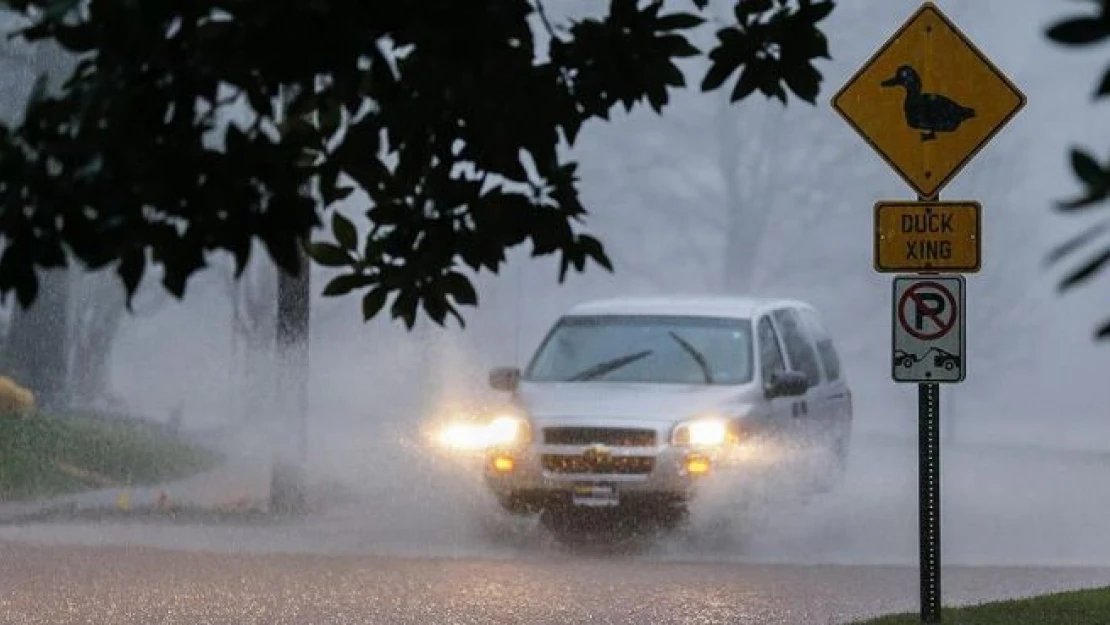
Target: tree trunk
292,344
36,347
96,312
287,484
288,479
746,217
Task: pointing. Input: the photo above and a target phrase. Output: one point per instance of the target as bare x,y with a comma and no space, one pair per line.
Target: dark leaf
749,80
404,307
345,232
130,270
436,306
745,9
815,12
27,289
341,285
678,21
804,81
55,10
1104,86
1088,170
460,288
373,302
38,90
1103,331
592,248
1082,202
1079,31
1078,241
330,117
718,72
1086,270
329,254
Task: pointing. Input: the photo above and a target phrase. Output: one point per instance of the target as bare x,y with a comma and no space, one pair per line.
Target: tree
441,116
1093,176
35,351
253,298
96,312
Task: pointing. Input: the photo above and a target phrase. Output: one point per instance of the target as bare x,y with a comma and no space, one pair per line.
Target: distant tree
96,312
253,297
1093,175
441,117
710,179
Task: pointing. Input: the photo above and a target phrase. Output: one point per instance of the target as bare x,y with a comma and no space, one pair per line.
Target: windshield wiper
696,355
607,366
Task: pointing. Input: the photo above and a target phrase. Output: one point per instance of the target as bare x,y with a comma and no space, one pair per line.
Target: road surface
141,585
423,547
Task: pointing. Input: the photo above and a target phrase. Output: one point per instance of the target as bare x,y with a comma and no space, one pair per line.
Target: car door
836,393
801,354
835,396
779,422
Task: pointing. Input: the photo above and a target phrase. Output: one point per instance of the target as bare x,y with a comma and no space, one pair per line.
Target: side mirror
504,378
787,384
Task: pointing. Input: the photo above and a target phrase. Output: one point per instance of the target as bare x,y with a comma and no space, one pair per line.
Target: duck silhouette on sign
928,112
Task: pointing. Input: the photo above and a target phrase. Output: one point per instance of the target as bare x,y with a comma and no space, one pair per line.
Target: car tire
515,506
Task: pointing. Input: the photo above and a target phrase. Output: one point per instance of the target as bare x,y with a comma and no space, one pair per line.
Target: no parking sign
928,329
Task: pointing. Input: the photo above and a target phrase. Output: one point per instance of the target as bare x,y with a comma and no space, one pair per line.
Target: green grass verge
44,455
1083,607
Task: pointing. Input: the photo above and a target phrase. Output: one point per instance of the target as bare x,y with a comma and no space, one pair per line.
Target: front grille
613,437
604,465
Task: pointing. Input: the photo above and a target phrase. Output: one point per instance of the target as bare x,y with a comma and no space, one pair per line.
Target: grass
46,455
1083,607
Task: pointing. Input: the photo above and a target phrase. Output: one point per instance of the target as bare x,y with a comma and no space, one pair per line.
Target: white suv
630,403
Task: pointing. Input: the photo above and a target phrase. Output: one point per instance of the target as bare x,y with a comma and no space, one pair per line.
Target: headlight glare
463,437
501,431
506,430
701,433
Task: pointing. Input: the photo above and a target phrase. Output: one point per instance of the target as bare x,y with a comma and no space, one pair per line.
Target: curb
221,491
203,497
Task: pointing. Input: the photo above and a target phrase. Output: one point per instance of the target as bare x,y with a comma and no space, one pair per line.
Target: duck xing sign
928,101
927,236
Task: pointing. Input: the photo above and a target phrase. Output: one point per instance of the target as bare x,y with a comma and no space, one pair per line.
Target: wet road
133,585
425,547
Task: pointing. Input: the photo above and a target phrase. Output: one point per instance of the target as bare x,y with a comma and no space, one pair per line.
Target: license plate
595,495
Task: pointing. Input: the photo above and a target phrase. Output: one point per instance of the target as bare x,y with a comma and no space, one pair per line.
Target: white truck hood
626,402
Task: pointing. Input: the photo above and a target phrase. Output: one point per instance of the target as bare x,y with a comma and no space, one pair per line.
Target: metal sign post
927,101
928,348
928,498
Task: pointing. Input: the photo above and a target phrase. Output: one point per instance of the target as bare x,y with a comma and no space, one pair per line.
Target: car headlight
501,431
701,433
507,430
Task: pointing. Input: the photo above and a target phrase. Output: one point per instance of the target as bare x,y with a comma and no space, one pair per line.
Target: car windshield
646,349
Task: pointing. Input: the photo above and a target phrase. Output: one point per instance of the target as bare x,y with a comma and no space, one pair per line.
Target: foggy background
710,198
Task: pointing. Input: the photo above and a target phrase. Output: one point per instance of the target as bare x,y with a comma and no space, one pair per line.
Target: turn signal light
503,464
697,465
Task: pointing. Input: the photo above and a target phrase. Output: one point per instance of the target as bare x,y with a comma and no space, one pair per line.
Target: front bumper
541,473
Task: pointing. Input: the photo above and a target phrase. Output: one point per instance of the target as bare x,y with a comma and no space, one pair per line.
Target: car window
646,349
770,354
830,360
798,348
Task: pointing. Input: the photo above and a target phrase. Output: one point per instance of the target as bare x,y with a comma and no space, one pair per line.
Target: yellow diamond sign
928,101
